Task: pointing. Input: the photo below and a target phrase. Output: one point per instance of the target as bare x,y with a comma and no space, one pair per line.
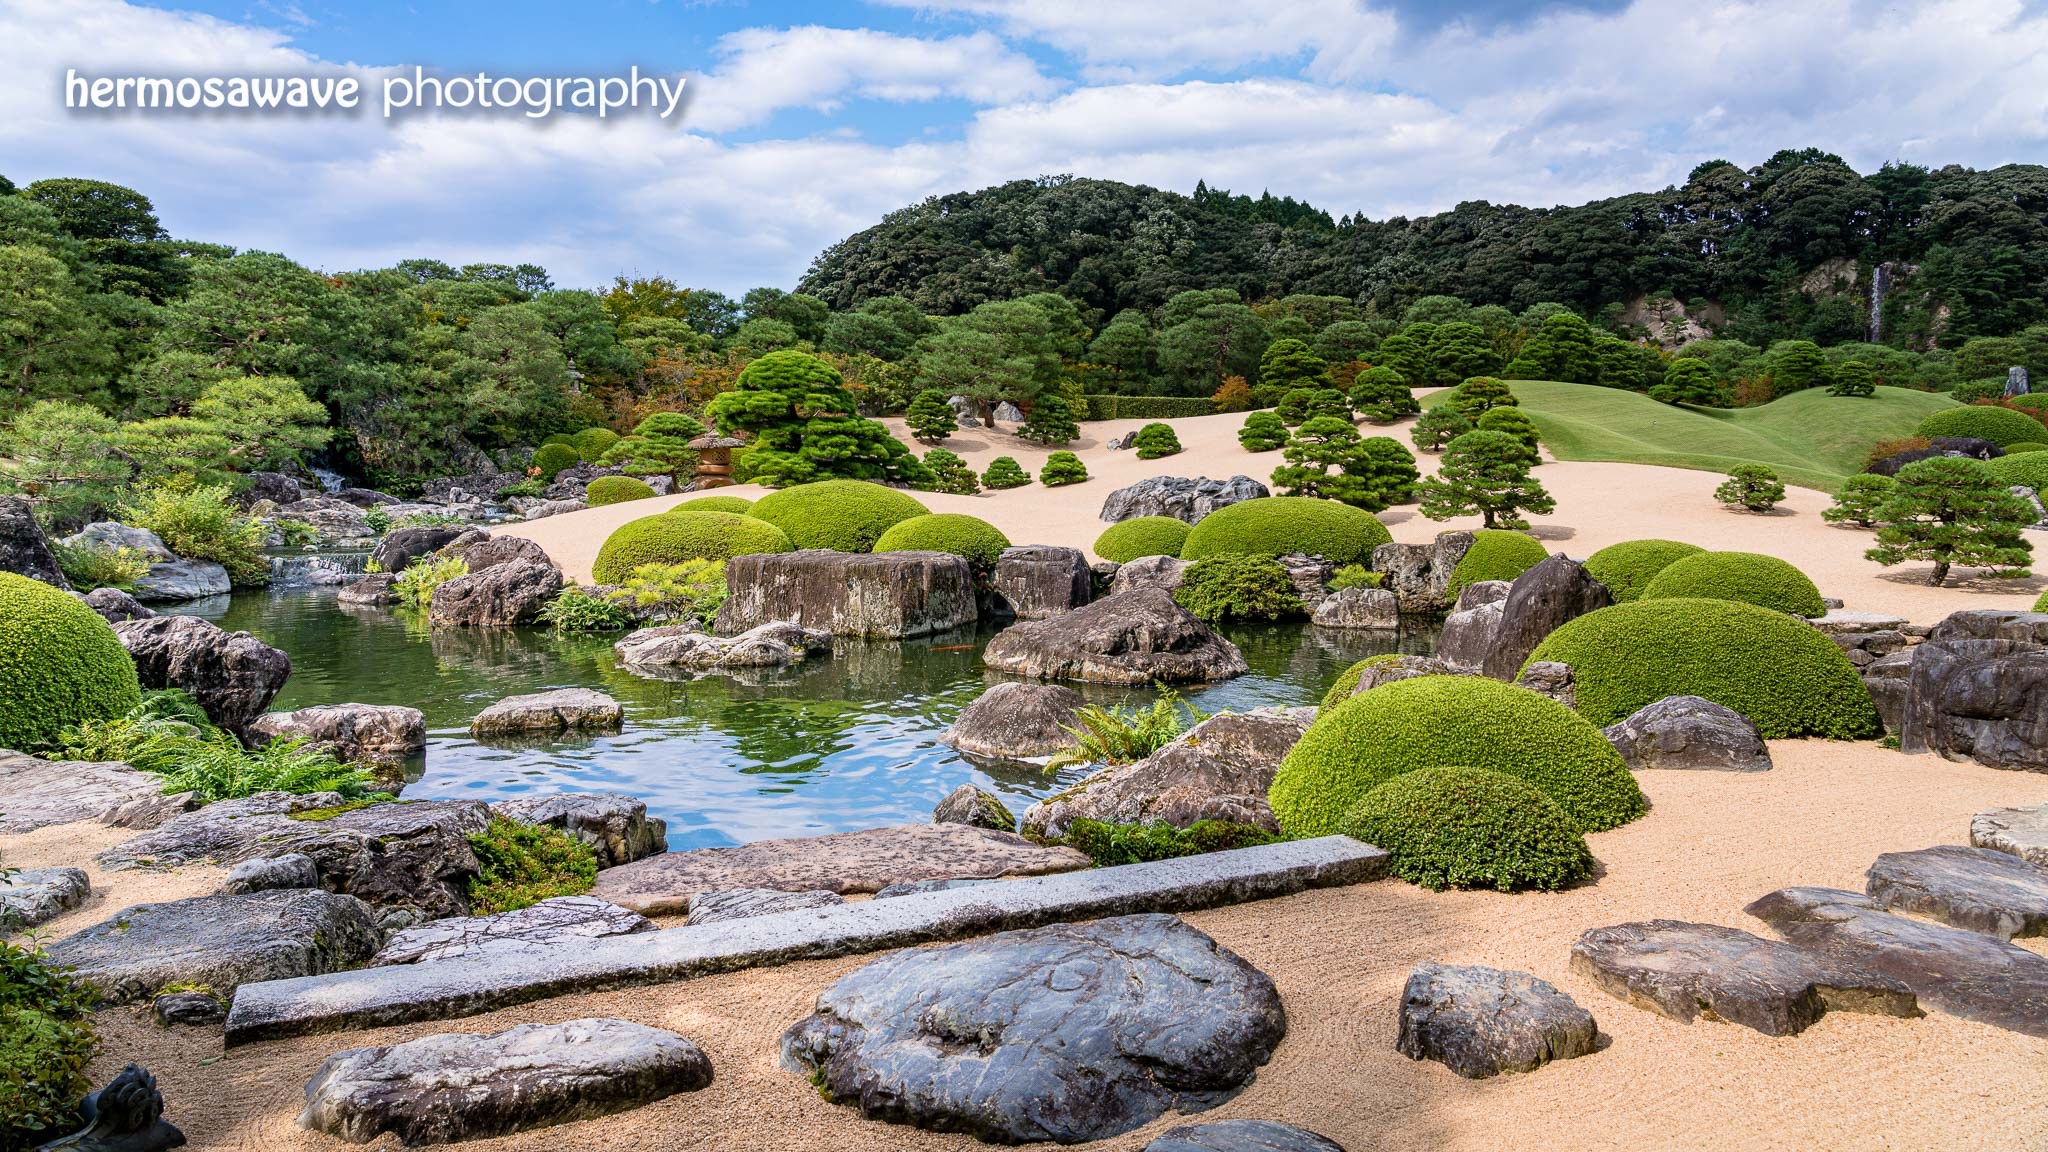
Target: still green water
835,744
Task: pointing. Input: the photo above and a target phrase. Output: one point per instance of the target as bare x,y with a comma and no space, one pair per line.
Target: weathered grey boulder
536,925
1218,770
1552,678
275,487
1480,1022
1358,608
38,793
512,592
886,595
560,710
24,550
979,807
30,896
364,497
1468,635
1689,732
1242,1136
373,589
547,508
177,580
482,551
1685,971
772,645
1406,668
1482,592
1419,575
232,675
219,942
458,1086
1179,497
1543,599
114,605
1016,721
1981,700
1034,581
334,520
1008,412
191,1009
1890,680
266,873
110,536
2020,831
1161,573
401,546
386,734
1310,577
741,903
1067,1033
616,826
1993,624
1975,888
1136,638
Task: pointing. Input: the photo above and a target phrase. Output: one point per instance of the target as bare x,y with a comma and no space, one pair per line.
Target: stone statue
2016,381
125,1116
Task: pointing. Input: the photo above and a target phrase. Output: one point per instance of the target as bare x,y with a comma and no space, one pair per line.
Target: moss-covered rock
674,537
1277,525
2001,426
971,538
1142,536
1628,567
615,490
843,515
1745,577
1496,554
60,663
1456,827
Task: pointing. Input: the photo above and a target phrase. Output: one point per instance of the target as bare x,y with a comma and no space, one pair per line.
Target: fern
1125,735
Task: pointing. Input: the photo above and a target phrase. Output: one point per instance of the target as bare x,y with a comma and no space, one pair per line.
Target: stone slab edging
482,982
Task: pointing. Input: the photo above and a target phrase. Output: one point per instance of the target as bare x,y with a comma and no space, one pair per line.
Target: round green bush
592,442
2001,426
676,536
1455,827
1277,525
1781,672
2029,469
1347,681
1127,540
1432,721
560,438
843,515
552,458
1156,440
1062,469
2025,446
738,505
1496,554
969,537
1628,567
2038,400
1004,472
1747,577
60,664
615,490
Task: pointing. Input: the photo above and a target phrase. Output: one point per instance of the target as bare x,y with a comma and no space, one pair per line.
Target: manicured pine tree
1479,395
949,473
1051,421
930,418
1751,486
1290,364
1262,432
1308,403
805,424
1439,426
1320,457
1155,441
1515,423
1380,394
1062,468
1689,380
1953,511
1797,365
1005,472
1853,378
1485,473
1859,500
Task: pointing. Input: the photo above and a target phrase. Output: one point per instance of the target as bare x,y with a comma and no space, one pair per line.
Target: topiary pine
1155,441
805,424
1062,468
1262,432
1289,364
1304,404
1456,827
930,418
1382,395
1751,486
1485,473
1628,567
1953,511
1051,421
950,474
1438,427
1859,498
1004,472
1689,380
1327,459
659,446
1480,395
1514,422
1853,378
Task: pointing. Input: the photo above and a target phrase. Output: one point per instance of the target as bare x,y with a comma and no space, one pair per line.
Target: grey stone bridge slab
483,981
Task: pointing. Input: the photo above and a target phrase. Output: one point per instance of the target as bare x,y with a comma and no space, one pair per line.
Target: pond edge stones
1480,1022
560,710
1134,637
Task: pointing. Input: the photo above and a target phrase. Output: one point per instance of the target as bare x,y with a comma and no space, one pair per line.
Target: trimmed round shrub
1781,672
737,505
843,515
1745,577
593,442
1432,721
2001,426
2028,468
1062,469
1155,441
560,438
1497,554
1628,567
1454,827
552,458
1127,540
1238,587
1277,525
615,490
2037,400
60,664
1004,472
676,536
2025,446
1347,681
969,537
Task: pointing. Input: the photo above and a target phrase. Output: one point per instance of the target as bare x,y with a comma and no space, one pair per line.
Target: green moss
1112,844
1277,525
2001,426
1455,827
1432,721
1238,587
843,515
520,865
1628,567
737,505
1745,577
1496,554
319,815
1347,681
1128,540
971,538
552,458
615,490
2027,469
1781,672
674,537
60,664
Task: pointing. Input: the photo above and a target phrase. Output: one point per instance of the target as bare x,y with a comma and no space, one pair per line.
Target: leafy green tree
1797,365
930,418
1203,340
1860,500
176,450
1122,353
1561,348
1953,511
1485,473
120,231
1347,340
266,421
1479,395
1381,395
1050,421
53,344
868,334
1688,380
1438,427
1515,423
1407,353
1853,378
802,419
1751,486
1262,432
949,473
763,334
1308,403
1458,350
1288,365
62,457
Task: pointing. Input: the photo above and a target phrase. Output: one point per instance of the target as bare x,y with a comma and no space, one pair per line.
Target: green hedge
1277,525
1782,673
1148,407
674,537
971,538
1455,827
2028,468
1628,567
843,515
615,490
552,458
2025,446
1468,721
1496,554
737,505
60,664
1139,536
2001,426
1746,577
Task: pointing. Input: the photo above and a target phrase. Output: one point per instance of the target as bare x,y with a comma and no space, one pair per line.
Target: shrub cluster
1128,540
615,490
574,609
1125,733
1496,554
949,474
1061,469
2026,446
843,515
415,586
1262,432
1112,844
2041,605
674,537
2001,426
1455,827
46,1042
1628,567
60,664
201,524
1745,577
689,592
88,567
168,736
1233,586
1277,525
520,865
971,538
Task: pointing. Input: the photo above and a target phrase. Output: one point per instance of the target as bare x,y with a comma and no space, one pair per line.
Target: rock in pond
1137,638
1160,573
1242,1136
1034,581
336,521
176,580
1419,575
1548,596
977,806
1975,888
456,1086
1016,721
1179,497
232,675
1480,1022
374,589
219,942
38,793
1684,971
268,873
2020,831
771,645
482,551
536,924
1067,1033
562,710
387,734
31,896
1689,732
114,605
504,594
401,546
889,595
1364,609
741,903
24,550
1218,770
616,826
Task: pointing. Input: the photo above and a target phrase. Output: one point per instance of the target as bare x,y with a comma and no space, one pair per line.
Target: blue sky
808,121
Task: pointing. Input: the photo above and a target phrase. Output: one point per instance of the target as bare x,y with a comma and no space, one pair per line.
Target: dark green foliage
1751,486
1238,587
1466,721
552,458
1797,365
949,473
1853,378
1747,577
659,446
1262,432
1784,674
615,490
930,418
2022,469
1103,407
60,664
1140,536
1513,422
1288,365
1051,421
1326,458
1155,441
1062,468
592,443
1954,511
1439,426
1496,554
1859,498
1381,394
520,865
1628,567
1689,380
1480,395
971,538
805,424
1485,473
679,535
46,1042
1454,827
1112,844
843,515
1303,404
1125,733
2001,426
1278,525
1004,472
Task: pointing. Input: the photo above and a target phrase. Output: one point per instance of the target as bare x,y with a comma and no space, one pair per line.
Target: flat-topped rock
888,595
1975,888
616,826
561,710
1963,973
1162,573
219,942
1218,770
386,734
1033,581
771,645
1480,1022
377,588
977,806
172,581
1685,971
114,605
457,1086
266,873
1358,609
1138,637
38,793
1993,624
1242,1136
482,550
30,896
232,675
863,861
401,546
1691,733
111,536
1015,721
545,922
740,903
1067,1033
1841,620
2020,831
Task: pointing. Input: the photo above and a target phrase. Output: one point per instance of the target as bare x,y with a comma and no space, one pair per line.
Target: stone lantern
714,459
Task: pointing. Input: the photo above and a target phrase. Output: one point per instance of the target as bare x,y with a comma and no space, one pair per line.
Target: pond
835,744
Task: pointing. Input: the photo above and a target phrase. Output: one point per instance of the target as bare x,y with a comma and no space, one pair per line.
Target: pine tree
1290,364
1051,421
1262,432
1381,394
1853,378
1308,403
930,418
1155,441
1689,380
1513,422
1797,365
1860,500
1005,472
1485,473
1952,510
1062,468
1320,456
805,426
1475,397
1439,426
1752,486
949,473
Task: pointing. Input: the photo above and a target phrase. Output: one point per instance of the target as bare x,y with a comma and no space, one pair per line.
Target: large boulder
1419,575
1160,573
30,896
375,589
775,644
1980,889
336,521
1480,1022
889,595
523,929
232,675
1890,681
616,826
504,594
1993,624
110,536
459,1086
2023,832
1136,638
24,550
275,487
561,710
1541,600
1358,609
386,734
1981,700
1689,732
1067,1033
171,581
1218,770
1179,497
114,605
1034,581
38,793
401,546
482,551
1016,721
1468,635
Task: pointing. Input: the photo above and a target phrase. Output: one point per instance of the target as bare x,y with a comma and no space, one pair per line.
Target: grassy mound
1628,567
1782,673
674,537
1496,554
2029,469
1142,536
737,505
1277,525
1746,577
969,537
1454,827
615,490
552,458
60,664
843,515
2001,426
1433,721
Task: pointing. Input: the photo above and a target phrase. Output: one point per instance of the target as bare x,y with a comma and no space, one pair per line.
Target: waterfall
1880,283
314,569
330,481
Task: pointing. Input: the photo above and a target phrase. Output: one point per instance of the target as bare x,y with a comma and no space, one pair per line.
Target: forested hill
1783,250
